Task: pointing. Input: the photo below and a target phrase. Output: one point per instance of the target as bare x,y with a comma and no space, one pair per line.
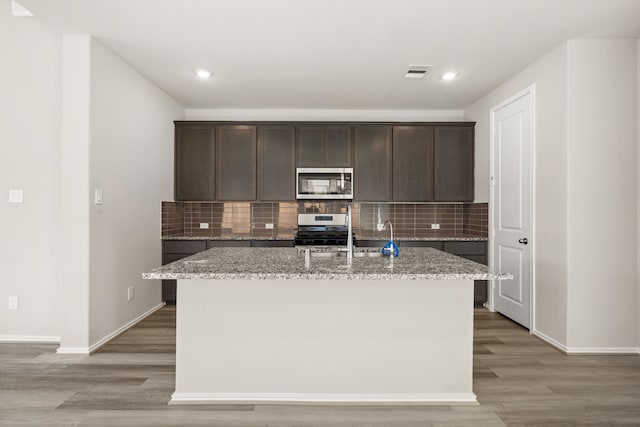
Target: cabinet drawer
184,246
228,244
401,243
168,258
369,243
272,243
420,244
482,259
466,248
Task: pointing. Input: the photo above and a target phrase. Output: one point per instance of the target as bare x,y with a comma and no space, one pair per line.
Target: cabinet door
310,146
412,164
195,161
338,147
475,251
276,163
372,166
453,164
236,163
173,250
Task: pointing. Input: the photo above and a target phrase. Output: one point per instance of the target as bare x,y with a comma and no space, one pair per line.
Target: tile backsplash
255,219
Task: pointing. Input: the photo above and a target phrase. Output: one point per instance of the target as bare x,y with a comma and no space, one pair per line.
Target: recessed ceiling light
449,75
202,73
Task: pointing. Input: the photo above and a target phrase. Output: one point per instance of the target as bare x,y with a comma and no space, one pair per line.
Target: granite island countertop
396,239
292,264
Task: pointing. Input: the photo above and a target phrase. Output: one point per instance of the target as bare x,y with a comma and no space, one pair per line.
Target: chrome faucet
349,233
391,238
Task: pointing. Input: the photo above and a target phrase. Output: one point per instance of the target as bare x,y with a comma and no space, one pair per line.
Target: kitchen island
279,324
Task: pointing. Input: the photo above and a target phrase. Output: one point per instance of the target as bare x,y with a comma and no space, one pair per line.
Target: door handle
524,241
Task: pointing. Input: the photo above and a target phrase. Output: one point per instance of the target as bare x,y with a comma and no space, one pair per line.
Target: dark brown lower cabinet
472,250
174,250
272,243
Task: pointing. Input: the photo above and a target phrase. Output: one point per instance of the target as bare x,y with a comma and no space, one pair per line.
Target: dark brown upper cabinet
324,146
195,160
236,162
453,163
412,164
372,165
276,163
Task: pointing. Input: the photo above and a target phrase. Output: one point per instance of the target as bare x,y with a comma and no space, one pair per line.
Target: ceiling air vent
417,71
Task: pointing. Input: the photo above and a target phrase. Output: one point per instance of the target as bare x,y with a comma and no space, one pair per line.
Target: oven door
324,183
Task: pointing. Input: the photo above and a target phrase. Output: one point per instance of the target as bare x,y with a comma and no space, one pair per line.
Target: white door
511,206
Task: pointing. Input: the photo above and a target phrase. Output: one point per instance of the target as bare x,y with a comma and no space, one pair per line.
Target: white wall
549,76
638,130
74,196
74,118
603,188
30,88
324,115
132,162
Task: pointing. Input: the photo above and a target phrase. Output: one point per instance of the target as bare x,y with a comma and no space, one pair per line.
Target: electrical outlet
130,293
16,196
269,226
435,226
380,227
13,303
204,225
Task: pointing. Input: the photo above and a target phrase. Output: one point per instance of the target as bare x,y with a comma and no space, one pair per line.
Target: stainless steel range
322,230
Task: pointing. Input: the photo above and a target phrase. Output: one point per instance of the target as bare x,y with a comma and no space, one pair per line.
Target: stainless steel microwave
324,183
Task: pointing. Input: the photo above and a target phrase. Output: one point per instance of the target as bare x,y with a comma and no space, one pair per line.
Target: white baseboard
549,340
88,350
209,398
73,350
585,350
29,339
602,350
120,330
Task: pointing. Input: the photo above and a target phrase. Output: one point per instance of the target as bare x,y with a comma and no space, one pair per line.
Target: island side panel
324,340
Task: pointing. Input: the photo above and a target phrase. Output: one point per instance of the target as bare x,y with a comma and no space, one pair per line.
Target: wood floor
519,381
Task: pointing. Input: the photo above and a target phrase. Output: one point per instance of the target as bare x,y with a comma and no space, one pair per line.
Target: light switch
98,197
16,196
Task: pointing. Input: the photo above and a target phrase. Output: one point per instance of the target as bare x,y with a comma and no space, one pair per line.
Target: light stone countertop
396,239
291,264
224,238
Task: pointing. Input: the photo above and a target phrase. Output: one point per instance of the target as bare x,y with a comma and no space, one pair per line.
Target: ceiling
334,54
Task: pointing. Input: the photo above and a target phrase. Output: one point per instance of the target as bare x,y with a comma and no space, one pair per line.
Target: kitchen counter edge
398,239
